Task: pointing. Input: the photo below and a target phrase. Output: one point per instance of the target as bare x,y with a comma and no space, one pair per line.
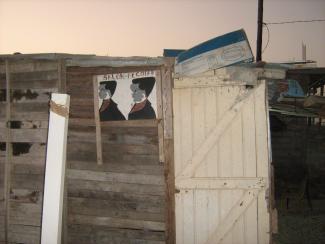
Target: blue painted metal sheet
172,52
218,52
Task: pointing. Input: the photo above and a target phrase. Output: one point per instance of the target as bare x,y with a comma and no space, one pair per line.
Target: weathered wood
168,150
25,213
25,124
33,76
119,209
112,137
37,84
24,234
123,62
201,83
26,196
114,177
85,234
132,197
21,66
156,190
25,135
97,123
116,222
160,115
27,181
128,168
122,124
62,73
28,168
27,111
7,175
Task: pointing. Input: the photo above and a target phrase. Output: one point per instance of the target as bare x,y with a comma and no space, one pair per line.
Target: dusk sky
146,27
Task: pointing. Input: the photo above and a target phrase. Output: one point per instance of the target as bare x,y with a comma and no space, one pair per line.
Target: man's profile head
141,88
107,89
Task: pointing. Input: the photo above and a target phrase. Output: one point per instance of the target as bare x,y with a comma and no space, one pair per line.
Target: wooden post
55,169
7,176
168,142
62,72
259,31
97,122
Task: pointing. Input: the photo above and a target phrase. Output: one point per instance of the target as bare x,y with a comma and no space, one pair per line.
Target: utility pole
259,31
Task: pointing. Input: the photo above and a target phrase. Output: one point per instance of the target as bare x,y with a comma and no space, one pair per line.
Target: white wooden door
221,162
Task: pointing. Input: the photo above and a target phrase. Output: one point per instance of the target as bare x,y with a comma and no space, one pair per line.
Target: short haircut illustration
146,84
109,85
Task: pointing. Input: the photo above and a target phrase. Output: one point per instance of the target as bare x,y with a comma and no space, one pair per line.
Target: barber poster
127,96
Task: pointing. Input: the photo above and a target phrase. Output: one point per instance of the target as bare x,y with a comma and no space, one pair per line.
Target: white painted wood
262,155
55,173
221,183
210,141
232,217
218,163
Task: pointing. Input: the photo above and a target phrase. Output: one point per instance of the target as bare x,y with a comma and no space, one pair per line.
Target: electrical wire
268,37
295,21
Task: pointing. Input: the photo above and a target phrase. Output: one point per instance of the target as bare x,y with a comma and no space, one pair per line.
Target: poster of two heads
127,96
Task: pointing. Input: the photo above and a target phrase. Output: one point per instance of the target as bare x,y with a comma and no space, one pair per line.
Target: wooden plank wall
31,83
122,200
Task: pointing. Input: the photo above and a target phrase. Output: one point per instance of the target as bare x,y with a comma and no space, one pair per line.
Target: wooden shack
210,133
121,200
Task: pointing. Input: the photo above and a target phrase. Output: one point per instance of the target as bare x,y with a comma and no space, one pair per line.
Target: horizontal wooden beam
116,222
205,82
126,123
115,177
221,183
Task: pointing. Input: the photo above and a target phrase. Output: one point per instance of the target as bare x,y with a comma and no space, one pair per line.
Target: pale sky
146,27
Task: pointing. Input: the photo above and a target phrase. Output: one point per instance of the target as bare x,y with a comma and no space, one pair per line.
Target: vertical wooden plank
212,199
225,157
160,114
238,235
186,125
179,214
55,172
7,175
177,130
62,88
198,124
198,136
168,146
249,158
188,217
97,122
211,117
262,161
62,74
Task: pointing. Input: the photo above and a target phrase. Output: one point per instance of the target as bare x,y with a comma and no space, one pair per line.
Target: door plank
221,126
232,217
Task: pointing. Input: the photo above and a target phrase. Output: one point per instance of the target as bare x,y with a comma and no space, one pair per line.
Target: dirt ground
300,224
